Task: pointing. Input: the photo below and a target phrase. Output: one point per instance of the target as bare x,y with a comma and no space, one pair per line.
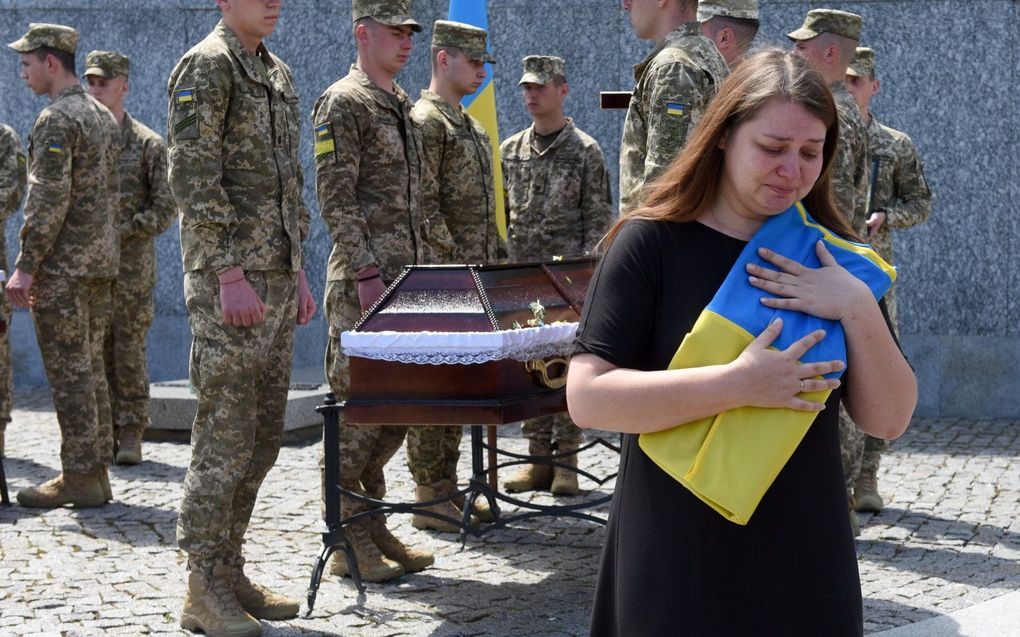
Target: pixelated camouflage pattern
127,368
13,181
851,448
234,165
74,153
458,198
54,36
686,69
240,376
558,199
433,452
852,164
863,64
368,182
740,9
364,449
556,429
108,64
469,39
71,316
389,12
819,21
542,69
871,457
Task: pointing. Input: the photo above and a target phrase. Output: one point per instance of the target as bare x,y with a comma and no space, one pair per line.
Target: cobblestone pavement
949,539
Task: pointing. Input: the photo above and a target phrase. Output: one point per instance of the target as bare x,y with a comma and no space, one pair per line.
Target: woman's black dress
671,565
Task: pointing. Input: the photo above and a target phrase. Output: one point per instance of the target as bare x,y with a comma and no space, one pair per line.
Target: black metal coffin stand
479,396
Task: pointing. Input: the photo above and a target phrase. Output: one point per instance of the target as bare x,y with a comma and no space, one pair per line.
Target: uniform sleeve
49,189
13,178
158,213
304,217
199,93
337,165
845,169
913,198
490,177
674,95
596,198
862,174
438,237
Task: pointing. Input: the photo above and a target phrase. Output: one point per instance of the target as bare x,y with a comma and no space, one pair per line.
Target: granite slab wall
946,76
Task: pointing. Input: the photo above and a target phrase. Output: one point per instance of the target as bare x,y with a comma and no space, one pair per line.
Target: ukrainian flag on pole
482,104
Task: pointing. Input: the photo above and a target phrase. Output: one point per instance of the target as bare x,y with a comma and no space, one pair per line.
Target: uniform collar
387,100
560,139
246,59
69,91
685,30
456,115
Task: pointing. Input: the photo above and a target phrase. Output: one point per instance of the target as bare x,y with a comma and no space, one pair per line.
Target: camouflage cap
470,40
740,9
392,13
819,21
541,69
107,64
54,36
863,64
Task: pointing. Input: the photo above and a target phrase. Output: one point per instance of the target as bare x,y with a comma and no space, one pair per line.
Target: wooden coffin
476,303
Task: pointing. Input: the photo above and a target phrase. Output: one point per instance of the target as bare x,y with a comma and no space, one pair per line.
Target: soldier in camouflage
674,85
827,40
68,259
13,179
899,198
731,24
235,173
368,180
146,209
559,204
459,205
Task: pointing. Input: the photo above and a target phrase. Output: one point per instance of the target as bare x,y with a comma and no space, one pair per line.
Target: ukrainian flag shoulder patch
324,144
676,109
184,97
55,148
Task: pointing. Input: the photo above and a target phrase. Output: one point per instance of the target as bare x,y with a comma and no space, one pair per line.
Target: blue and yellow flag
482,103
730,460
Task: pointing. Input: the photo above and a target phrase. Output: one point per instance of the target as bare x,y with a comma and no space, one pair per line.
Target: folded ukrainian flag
729,461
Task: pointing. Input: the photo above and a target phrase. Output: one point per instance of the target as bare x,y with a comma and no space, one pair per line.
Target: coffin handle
541,369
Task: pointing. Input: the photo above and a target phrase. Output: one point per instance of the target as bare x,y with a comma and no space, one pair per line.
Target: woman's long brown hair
687,188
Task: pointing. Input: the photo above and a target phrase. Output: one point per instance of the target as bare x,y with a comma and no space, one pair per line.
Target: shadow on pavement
874,608
925,526
960,438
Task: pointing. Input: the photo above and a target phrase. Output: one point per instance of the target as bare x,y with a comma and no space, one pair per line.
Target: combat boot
411,559
260,602
532,477
564,480
104,482
79,489
211,606
129,446
479,508
855,522
866,496
374,567
427,493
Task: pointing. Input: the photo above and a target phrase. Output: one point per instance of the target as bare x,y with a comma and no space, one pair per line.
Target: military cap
54,36
819,21
470,40
541,69
863,64
392,13
107,64
740,9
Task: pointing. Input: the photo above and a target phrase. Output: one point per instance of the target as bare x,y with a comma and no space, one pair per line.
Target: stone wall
943,73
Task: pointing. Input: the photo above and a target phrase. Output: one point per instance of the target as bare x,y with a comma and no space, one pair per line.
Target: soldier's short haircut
452,51
744,29
67,60
846,47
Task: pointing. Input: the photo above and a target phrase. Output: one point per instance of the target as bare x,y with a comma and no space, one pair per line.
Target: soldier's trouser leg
6,372
433,452
240,376
872,454
851,446
540,429
564,432
71,317
127,364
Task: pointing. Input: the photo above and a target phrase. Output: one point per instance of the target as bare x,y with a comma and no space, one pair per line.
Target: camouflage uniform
674,85
12,188
559,204
459,204
146,210
850,168
369,169
235,173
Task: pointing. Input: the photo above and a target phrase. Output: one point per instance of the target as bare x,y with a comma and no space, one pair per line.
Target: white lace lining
444,348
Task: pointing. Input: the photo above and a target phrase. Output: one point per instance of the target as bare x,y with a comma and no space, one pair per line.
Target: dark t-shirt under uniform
671,565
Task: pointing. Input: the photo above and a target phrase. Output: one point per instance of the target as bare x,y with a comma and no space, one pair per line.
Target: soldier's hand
240,305
369,291
19,289
875,222
305,303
